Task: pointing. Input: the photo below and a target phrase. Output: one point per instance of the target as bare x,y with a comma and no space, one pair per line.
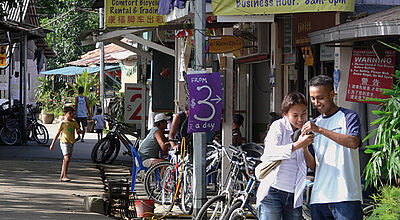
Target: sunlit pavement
30,186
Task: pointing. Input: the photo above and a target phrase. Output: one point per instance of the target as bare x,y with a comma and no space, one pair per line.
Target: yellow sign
224,44
245,7
133,13
3,55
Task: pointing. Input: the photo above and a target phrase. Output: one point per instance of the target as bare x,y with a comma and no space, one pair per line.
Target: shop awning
382,24
77,70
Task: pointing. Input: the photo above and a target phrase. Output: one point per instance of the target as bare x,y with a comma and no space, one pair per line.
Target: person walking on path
280,194
81,111
67,130
100,121
336,193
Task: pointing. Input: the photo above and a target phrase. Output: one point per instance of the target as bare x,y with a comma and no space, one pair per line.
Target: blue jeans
278,205
350,210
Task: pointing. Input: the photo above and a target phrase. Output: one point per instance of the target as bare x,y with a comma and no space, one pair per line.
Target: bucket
144,208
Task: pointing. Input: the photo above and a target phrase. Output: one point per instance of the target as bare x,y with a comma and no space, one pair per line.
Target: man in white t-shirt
337,186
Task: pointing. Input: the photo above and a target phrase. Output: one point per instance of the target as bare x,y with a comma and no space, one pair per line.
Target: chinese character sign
132,13
205,102
368,75
3,55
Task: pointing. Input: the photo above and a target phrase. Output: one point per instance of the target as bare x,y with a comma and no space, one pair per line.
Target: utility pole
101,25
199,139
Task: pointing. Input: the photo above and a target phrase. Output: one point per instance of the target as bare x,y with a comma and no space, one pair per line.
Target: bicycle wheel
154,180
215,208
40,134
213,181
9,135
169,183
235,212
106,150
187,191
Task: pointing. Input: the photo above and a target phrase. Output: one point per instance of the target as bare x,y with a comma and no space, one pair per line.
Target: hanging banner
132,13
3,55
245,7
205,92
368,75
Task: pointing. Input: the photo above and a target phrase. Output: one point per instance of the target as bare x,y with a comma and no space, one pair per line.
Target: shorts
148,161
66,149
99,130
82,122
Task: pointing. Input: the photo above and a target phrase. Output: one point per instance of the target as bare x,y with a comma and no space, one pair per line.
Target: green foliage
53,100
67,28
387,204
384,165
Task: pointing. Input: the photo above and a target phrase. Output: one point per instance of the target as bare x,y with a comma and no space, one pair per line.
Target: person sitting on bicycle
155,141
179,127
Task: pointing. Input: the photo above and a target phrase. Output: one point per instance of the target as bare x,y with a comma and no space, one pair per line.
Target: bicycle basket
252,149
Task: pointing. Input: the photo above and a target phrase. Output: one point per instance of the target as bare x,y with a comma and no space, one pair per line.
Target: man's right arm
162,142
174,128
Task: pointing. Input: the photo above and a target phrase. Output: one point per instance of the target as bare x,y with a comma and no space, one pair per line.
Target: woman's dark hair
238,119
291,99
81,90
68,109
322,80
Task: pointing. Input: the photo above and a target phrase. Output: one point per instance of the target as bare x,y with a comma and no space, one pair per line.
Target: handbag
263,169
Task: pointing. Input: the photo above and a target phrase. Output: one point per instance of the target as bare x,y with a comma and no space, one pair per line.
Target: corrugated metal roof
77,70
93,57
14,13
385,23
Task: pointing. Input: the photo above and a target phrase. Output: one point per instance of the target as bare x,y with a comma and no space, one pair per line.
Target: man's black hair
81,90
99,111
238,119
68,109
322,80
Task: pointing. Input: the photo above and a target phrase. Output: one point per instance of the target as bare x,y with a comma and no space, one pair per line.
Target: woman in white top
280,194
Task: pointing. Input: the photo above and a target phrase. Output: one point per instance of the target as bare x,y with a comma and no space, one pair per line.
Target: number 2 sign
205,102
134,94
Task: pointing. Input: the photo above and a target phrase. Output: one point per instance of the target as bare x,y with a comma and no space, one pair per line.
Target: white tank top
81,110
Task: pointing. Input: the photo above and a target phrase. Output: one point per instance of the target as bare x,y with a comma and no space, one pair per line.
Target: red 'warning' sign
368,75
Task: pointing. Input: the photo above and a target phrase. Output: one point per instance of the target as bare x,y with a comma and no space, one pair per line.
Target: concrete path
30,186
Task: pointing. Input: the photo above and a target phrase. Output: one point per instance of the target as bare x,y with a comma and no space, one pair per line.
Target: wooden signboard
224,44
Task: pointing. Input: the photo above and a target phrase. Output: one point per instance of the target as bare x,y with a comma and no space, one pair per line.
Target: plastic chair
136,170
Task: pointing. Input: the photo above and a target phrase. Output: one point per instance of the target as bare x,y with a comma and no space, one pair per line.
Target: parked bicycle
107,149
9,124
240,181
35,130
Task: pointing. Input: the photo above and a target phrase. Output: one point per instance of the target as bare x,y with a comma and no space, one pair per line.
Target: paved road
29,186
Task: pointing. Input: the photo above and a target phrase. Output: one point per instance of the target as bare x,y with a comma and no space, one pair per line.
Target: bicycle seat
252,149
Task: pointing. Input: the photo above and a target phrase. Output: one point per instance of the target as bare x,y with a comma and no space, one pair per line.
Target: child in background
67,140
99,118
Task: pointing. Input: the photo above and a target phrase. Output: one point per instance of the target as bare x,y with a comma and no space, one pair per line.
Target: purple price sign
205,102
